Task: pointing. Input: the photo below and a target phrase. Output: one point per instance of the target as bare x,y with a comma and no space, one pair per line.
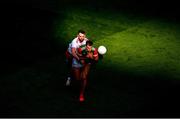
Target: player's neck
80,40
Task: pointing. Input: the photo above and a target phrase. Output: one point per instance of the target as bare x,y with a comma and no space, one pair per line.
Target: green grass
97,23
135,44
146,48
138,77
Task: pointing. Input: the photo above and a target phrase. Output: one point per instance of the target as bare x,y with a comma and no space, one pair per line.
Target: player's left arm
95,55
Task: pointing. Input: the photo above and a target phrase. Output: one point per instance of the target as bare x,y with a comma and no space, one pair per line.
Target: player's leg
69,75
69,67
76,69
84,75
76,73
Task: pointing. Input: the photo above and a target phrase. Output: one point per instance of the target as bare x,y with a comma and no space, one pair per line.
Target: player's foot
68,82
81,98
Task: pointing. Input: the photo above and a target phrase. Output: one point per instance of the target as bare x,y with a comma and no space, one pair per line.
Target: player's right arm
73,48
74,53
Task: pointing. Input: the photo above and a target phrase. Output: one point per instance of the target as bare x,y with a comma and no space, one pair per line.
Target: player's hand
90,55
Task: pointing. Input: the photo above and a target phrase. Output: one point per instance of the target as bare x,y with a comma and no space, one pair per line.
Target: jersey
76,44
82,50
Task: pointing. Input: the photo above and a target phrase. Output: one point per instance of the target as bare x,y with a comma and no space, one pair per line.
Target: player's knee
84,77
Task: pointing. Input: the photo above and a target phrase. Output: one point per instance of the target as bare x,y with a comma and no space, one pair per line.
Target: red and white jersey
76,44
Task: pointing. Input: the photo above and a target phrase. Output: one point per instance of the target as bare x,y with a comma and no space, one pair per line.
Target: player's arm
95,55
74,53
79,52
74,49
92,56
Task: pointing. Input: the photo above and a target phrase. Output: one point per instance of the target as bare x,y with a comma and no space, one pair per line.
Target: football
102,50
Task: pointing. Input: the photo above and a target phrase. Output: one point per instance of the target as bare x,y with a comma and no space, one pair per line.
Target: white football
102,50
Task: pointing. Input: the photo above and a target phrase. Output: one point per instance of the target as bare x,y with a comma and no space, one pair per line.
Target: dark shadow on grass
40,91
129,95
28,36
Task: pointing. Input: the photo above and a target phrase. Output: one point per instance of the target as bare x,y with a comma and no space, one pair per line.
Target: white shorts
76,63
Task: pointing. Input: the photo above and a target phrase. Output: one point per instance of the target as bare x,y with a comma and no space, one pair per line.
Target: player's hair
81,31
89,42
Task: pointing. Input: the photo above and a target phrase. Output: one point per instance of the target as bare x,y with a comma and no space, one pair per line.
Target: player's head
89,44
81,35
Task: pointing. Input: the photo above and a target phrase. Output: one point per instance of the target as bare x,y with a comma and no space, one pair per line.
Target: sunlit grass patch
148,48
98,24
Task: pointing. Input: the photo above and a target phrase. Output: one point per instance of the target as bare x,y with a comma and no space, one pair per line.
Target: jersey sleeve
74,44
95,54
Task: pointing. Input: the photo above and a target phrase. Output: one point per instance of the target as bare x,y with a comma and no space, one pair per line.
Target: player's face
81,37
89,48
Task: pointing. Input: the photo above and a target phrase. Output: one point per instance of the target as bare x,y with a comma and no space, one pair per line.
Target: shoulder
84,42
74,43
86,39
74,40
95,50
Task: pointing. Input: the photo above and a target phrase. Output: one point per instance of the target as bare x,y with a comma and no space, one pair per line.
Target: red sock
81,98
